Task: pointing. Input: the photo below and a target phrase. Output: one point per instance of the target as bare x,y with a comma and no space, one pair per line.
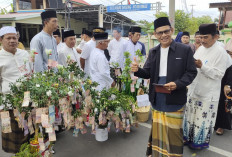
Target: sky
201,7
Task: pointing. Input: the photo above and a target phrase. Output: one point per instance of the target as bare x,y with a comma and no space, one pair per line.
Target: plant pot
101,134
34,146
142,116
142,113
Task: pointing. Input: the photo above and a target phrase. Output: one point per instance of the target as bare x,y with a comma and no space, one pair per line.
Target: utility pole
172,12
192,9
68,7
66,23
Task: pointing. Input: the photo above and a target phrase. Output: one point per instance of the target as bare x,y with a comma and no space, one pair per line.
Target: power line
192,9
7,3
112,2
144,14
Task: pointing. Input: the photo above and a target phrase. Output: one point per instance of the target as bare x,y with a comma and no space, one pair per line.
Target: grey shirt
40,42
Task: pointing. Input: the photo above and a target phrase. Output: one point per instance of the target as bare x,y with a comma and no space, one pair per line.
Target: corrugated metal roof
19,16
81,1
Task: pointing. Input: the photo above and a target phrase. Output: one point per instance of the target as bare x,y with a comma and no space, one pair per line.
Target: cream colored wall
35,20
75,25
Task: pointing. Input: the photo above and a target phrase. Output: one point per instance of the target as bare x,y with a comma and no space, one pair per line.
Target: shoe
219,131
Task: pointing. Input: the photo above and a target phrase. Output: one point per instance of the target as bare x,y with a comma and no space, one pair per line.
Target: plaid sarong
166,137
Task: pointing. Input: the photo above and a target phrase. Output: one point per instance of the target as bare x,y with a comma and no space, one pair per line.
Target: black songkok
101,36
87,33
197,33
135,29
57,32
162,21
207,29
186,33
48,14
68,33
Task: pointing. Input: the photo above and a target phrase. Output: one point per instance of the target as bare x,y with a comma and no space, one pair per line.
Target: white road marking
211,148
146,125
219,151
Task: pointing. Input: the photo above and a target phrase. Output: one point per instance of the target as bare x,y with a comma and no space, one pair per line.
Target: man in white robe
133,45
59,42
45,41
68,49
85,37
203,94
14,63
116,48
99,65
86,52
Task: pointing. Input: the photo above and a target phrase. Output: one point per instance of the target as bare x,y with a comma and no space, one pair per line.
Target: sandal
219,131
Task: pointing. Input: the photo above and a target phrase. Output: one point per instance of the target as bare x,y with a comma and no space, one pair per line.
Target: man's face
70,41
104,44
82,36
230,53
135,37
116,34
208,40
198,39
164,35
85,37
129,35
185,39
52,24
10,42
58,39
18,35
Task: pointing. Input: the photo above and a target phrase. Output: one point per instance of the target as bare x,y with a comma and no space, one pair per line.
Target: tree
5,11
145,25
216,20
181,21
161,14
192,25
204,19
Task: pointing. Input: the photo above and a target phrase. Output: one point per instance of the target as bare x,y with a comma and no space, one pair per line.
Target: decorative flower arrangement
131,84
113,107
40,99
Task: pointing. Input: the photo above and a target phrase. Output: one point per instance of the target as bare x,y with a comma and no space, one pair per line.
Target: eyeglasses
166,32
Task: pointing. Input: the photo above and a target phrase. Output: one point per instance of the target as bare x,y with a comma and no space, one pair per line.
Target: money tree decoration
61,96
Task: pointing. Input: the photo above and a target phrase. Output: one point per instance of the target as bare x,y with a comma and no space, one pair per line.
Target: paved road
128,145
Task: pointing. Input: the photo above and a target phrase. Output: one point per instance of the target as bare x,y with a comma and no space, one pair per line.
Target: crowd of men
180,115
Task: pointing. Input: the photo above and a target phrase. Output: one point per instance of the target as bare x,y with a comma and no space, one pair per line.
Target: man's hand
113,84
79,50
82,61
198,63
227,89
134,65
170,86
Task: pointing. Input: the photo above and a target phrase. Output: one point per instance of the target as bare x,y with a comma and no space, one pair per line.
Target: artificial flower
49,93
48,51
70,93
18,84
